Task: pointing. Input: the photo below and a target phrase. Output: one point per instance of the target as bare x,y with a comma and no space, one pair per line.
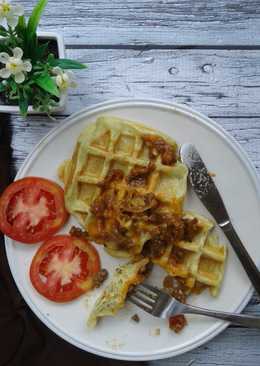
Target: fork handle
239,319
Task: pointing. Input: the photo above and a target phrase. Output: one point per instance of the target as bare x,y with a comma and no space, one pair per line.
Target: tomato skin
60,244
49,227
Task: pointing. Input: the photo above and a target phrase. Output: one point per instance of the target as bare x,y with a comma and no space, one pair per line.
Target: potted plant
34,74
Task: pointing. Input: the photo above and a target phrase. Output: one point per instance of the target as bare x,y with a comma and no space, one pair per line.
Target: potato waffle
200,261
112,143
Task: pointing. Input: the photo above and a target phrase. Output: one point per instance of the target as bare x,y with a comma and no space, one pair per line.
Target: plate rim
130,102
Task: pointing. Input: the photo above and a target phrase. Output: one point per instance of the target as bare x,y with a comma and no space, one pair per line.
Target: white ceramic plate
119,337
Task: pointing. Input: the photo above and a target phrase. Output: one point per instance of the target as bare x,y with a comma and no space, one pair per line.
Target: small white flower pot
4,108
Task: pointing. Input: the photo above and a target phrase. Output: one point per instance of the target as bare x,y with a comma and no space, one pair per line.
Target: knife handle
243,255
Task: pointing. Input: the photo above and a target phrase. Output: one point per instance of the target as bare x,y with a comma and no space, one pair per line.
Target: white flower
64,79
10,12
14,65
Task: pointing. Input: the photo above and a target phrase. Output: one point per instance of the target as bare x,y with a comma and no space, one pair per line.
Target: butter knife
209,195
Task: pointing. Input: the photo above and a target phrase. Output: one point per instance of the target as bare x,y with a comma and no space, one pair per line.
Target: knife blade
203,184
209,195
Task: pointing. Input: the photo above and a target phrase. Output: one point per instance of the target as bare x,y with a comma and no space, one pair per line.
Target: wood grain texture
215,82
162,22
234,347
27,133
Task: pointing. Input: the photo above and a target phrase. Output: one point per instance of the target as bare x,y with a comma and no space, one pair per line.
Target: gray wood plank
179,22
216,82
234,347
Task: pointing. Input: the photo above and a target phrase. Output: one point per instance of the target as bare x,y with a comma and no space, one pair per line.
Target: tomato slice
32,209
63,268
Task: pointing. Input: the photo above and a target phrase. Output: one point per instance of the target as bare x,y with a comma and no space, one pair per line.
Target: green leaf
21,22
40,51
35,18
23,103
2,87
21,26
21,29
4,47
3,31
21,35
13,85
45,82
50,58
66,63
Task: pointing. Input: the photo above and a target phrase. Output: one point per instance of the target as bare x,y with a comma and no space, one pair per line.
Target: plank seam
149,47
210,116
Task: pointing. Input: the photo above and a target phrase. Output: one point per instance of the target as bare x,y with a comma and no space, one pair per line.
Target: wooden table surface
197,52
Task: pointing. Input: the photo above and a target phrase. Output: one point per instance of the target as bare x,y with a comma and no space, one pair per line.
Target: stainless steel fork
158,303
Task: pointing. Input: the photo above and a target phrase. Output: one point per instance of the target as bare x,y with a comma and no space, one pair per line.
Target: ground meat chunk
170,226
177,255
114,233
114,175
145,271
176,288
177,323
156,218
191,229
103,204
198,288
154,248
78,232
99,278
176,230
136,202
136,318
158,146
139,175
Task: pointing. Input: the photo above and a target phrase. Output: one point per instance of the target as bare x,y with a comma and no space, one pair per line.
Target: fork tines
144,296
